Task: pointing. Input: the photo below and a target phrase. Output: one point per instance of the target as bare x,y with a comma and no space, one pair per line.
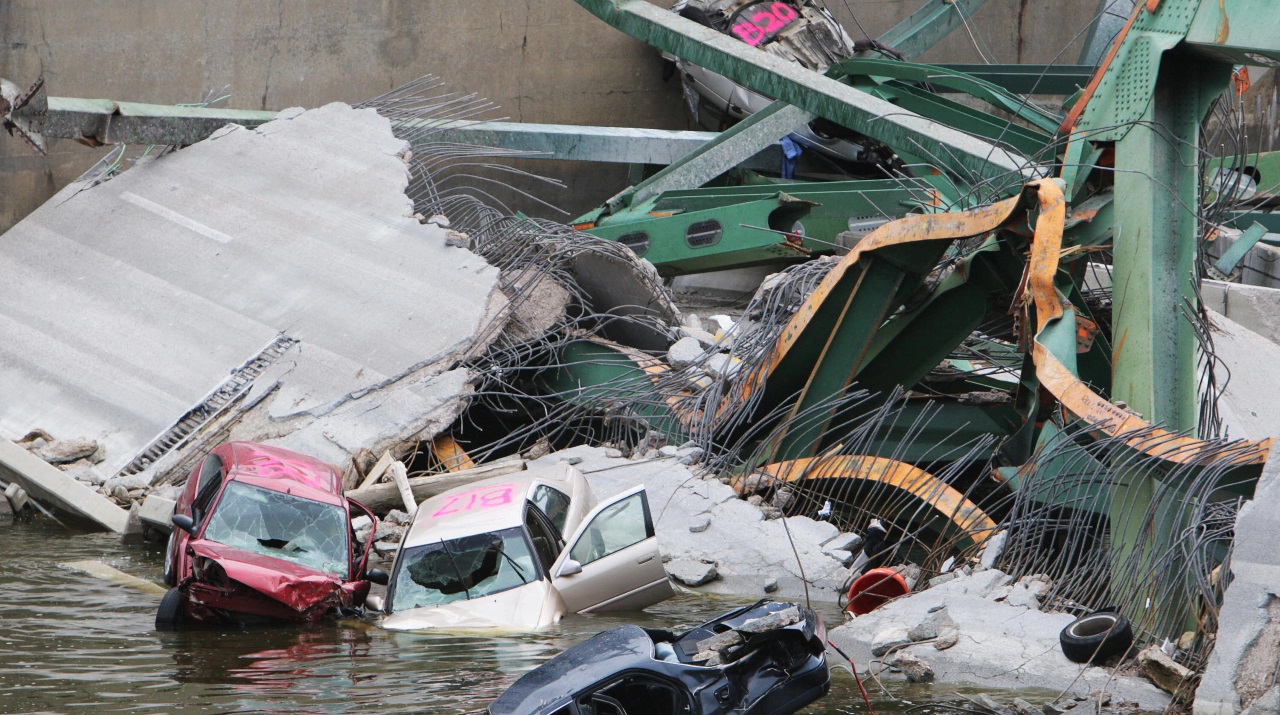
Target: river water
71,643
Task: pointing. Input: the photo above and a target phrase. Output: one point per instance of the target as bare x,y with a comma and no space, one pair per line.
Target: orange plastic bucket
873,588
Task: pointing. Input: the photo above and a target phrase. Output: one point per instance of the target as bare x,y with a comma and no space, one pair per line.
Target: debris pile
984,362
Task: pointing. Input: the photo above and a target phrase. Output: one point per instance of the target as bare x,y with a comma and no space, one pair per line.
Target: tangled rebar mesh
561,286
886,457
1166,569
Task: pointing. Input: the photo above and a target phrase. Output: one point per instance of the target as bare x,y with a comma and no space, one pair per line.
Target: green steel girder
715,238
1236,32
1027,79
913,438
925,27
943,77
833,347
102,121
905,132
914,342
658,230
998,131
601,376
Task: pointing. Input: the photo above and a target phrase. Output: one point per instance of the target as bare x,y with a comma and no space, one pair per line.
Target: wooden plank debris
386,496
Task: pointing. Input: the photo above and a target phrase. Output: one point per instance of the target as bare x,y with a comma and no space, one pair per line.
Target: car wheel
170,615
1096,637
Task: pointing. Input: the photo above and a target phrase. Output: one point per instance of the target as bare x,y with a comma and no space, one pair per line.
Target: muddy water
70,643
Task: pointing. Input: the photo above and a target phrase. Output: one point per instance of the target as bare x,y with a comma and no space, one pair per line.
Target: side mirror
184,522
570,568
378,576
374,603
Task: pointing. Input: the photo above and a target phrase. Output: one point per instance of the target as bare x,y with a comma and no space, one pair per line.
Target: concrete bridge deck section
126,304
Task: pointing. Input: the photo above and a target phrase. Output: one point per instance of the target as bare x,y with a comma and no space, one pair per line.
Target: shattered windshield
286,527
470,567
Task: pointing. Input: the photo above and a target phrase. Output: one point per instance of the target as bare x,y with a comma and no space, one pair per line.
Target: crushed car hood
294,585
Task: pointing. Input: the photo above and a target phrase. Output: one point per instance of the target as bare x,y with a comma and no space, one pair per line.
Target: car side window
553,503
211,468
546,543
210,481
636,695
615,528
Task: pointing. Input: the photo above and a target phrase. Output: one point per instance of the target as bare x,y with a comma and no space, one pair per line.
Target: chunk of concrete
156,512
684,352
1168,674
913,666
690,572
50,487
992,550
65,451
16,497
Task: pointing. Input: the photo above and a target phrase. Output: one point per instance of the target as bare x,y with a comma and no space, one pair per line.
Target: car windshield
465,568
286,527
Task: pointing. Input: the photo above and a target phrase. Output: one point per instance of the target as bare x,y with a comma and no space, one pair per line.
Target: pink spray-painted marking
274,467
483,498
764,23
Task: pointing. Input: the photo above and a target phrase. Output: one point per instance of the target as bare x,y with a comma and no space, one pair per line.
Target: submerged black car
765,659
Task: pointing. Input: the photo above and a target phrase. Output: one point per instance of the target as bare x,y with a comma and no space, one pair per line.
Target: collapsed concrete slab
268,284
702,521
1250,383
1241,672
999,645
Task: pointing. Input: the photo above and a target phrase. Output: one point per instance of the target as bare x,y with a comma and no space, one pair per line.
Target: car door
612,563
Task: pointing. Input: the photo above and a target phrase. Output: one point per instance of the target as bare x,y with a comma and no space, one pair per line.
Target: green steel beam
104,121
906,132
1156,235
941,78
1237,32
751,222
732,147
1242,245
1027,79
925,27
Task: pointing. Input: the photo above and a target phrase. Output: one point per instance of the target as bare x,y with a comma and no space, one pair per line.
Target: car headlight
210,572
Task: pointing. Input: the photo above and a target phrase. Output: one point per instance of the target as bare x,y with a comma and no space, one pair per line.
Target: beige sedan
494,553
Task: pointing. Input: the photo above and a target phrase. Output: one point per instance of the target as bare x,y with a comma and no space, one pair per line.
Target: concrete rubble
275,285
999,642
712,539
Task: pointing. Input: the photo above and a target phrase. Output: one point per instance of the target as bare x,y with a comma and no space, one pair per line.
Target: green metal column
1155,349
1157,182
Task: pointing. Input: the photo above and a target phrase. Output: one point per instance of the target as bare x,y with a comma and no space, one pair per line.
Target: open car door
611,563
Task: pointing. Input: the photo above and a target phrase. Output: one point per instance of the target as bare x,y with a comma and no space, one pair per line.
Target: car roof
486,505
555,682
283,470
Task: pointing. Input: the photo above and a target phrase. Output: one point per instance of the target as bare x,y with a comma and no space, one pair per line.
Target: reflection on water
70,643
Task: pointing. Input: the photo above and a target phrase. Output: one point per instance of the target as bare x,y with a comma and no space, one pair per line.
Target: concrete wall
540,60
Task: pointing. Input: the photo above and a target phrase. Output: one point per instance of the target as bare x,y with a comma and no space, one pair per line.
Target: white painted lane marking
174,216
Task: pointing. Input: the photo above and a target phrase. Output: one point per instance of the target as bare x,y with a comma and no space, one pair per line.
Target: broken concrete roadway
127,303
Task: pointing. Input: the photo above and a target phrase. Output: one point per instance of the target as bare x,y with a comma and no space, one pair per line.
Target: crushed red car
263,534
